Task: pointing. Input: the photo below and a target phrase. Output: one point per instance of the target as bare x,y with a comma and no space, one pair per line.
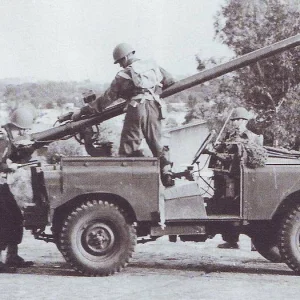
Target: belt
141,98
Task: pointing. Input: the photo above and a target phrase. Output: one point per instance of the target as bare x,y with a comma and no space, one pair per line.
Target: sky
74,39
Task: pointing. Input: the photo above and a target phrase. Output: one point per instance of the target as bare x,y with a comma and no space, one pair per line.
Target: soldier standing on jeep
139,83
239,119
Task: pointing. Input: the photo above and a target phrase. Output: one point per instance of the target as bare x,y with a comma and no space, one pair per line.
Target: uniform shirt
125,89
3,150
3,155
249,136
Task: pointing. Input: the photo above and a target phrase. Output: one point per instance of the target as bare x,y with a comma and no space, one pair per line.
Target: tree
171,123
213,101
245,26
47,94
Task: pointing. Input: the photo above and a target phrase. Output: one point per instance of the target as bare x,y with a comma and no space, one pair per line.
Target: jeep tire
289,238
267,248
96,239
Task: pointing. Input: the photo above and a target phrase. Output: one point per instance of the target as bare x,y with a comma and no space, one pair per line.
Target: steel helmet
121,51
240,113
22,118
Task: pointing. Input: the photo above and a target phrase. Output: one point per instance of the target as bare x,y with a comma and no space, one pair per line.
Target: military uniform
143,112
11,218
246,135
231,237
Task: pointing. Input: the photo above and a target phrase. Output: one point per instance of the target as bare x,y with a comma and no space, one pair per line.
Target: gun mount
71,128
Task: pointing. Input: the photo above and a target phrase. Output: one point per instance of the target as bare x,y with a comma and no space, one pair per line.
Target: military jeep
100,207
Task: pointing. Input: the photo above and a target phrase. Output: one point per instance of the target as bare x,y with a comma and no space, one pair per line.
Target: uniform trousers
143,121
11,219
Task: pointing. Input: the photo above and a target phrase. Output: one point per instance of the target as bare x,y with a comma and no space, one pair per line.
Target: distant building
184,141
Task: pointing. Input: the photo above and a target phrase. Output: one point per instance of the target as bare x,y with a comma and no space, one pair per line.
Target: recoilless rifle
70,128
100,207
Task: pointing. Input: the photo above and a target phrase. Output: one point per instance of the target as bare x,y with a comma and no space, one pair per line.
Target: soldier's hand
85,110
76,115
12,167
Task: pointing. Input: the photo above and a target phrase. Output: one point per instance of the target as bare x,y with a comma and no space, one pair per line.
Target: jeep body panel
264,189
134,179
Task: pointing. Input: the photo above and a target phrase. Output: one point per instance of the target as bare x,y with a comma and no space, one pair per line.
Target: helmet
121,51
22,118
29,106
240,113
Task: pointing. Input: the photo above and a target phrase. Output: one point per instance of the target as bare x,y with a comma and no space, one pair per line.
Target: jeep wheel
290,239
267,248
96,239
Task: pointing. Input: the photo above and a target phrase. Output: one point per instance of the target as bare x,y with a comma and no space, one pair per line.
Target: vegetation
48,94
62,148
270,88
271,85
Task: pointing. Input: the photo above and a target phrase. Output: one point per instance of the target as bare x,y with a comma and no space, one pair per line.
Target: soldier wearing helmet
139,82
239,119
21,118
121,51
11,219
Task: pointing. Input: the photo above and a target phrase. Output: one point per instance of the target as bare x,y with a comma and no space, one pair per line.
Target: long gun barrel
47,136
232,65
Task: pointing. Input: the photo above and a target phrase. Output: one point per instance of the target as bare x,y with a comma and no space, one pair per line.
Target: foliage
173,108
247,26
256,155
213,102
47,94
68,147
171,123
287,123
110,132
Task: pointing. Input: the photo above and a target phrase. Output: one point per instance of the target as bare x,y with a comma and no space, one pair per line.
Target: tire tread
65,247
286,226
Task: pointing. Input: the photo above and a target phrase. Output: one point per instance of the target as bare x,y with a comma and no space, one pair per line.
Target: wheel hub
98,239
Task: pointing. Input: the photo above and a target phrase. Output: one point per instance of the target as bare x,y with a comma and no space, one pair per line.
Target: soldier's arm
119,88
167,80
3,151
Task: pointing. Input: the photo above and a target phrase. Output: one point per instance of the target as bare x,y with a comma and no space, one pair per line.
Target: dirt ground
158,270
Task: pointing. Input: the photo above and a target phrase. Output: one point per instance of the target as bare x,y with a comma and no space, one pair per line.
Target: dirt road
159,270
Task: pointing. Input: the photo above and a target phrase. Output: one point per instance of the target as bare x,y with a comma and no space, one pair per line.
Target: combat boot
14,260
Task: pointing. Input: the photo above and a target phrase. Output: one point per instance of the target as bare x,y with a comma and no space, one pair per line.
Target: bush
64,148
171,123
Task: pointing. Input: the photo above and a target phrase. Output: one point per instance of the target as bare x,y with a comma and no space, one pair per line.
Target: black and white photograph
149,149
